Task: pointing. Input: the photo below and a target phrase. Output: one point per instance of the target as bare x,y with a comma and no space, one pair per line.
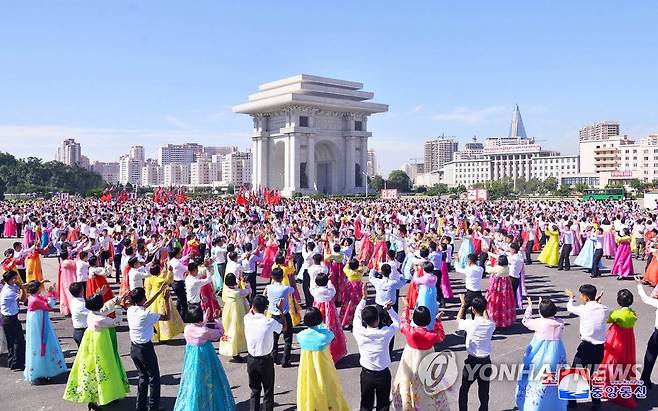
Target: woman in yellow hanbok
318,385
550,254
164,330
33,263
233,342
293,298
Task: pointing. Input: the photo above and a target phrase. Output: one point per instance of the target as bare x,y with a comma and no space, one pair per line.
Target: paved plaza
508,347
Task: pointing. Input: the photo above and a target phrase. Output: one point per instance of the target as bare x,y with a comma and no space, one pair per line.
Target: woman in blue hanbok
427,292
465,249
203,384
545,353
586,256
43,355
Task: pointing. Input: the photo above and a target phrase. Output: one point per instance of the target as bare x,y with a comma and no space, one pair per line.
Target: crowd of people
192,269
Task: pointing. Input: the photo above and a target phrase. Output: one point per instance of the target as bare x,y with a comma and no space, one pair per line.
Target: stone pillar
255,175
349,164
310,162
292,167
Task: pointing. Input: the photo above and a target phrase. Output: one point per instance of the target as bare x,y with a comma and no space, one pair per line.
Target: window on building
303,121
358,125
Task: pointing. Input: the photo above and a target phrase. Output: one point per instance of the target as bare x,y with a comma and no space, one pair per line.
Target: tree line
33,175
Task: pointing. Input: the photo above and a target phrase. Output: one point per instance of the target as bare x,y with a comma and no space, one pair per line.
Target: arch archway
325,167
276,171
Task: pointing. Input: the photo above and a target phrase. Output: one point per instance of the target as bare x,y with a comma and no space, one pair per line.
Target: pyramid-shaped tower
516,129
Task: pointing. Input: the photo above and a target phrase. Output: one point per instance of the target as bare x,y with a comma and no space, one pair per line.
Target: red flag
241,200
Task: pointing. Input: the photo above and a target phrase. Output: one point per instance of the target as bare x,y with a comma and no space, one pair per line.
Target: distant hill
32,175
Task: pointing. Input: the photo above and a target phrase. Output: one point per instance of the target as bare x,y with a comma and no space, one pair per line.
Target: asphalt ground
508,347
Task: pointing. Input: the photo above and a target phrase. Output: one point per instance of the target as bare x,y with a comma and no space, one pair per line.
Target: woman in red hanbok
500,294
323,300
97,280
619,352
366,250
271,250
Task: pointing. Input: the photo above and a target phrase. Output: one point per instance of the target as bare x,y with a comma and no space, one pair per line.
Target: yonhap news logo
438,371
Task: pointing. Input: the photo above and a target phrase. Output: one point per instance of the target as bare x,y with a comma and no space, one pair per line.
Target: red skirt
95,283
338,346
619,360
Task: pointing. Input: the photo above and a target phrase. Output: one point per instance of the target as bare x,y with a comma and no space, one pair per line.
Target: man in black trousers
141,324
259,332
10,295
598,253
565,250
530,243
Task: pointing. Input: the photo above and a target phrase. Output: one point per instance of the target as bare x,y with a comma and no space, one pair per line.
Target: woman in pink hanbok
609,245
577,240
10,230
323,300
367,248
271,250
65,277
446,288
379,251
623,263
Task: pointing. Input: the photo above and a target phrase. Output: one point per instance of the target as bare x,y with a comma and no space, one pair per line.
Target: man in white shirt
375,359
598,253
82,267
652,345
593,321
478,331
178,266
308,282
140,323
565,250
472,280
259,332
193,284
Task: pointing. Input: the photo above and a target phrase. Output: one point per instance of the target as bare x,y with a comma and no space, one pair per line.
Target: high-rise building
438,152
176,174
179,153
152,173
69,152
84,163
218,150
109,171
205,172
236,169
516,128
371,165
599,131
130,170
137,153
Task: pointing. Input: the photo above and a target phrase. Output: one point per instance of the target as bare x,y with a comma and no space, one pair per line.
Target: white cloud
467,115
175,121
417,109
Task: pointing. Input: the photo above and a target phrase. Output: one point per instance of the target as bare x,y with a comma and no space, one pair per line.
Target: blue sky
116,73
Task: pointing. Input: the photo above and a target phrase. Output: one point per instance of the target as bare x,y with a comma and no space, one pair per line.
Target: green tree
638,185
376,183
580,187
400,180
563,191
438,189
550,184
